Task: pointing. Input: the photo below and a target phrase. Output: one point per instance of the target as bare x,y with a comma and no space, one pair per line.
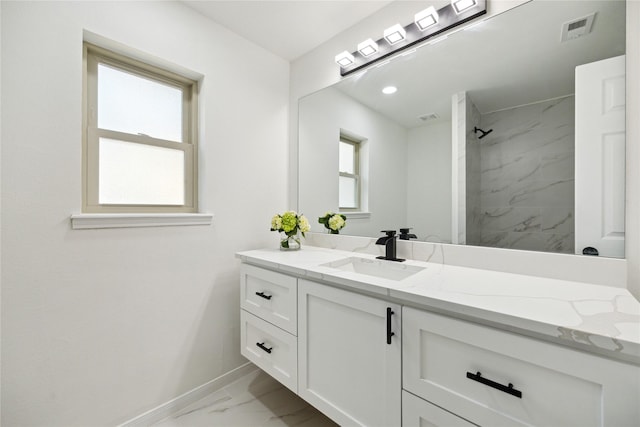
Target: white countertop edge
609,346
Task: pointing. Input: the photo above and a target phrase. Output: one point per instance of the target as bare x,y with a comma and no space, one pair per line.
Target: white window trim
86,221
357,215
356,175
90,133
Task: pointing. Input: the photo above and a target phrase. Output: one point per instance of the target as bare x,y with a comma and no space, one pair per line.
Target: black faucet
404,234
389,242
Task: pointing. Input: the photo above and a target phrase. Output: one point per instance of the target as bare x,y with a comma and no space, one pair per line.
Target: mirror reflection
509,133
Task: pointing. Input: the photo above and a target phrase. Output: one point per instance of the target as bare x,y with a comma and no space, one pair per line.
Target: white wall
383,154
429,182
99,326
0,226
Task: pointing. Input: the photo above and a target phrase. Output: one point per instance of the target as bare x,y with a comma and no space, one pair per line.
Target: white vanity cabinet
349,355
338,350
269,322
366,361
495,378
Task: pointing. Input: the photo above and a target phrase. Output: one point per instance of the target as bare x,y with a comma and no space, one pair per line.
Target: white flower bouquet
333,222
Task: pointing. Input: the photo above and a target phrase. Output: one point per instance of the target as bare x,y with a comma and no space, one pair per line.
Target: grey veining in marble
527,179
596,270
473,175
254,400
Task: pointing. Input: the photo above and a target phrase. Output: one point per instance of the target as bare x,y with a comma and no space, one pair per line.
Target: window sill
91,221
357,215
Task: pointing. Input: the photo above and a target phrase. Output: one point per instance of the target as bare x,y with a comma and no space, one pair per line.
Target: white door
600,157
349,355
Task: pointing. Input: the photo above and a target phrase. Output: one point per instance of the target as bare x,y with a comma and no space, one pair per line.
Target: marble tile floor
254,400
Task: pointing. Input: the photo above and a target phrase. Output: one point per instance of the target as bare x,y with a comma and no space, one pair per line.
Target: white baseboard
161,412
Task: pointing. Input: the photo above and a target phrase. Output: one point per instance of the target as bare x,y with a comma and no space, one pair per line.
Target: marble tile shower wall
473,169
527,178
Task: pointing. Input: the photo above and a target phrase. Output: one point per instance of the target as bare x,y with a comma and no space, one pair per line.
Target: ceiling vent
577,28
429,117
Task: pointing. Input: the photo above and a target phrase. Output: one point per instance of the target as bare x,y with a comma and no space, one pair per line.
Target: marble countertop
599,319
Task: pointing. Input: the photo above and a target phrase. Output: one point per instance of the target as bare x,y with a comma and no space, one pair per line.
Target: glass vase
289,242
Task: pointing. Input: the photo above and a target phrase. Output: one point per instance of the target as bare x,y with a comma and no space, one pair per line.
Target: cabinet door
420,413
348,361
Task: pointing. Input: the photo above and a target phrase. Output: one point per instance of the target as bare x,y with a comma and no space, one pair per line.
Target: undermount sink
374,267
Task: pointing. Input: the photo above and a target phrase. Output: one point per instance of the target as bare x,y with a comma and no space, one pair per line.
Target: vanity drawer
270,348
269,295
468,369
417,412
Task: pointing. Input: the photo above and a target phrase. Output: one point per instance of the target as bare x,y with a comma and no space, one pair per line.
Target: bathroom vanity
371,342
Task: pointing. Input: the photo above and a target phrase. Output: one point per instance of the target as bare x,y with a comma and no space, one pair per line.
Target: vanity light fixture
395,34
427,23
368,47
461,6
426,18
345,59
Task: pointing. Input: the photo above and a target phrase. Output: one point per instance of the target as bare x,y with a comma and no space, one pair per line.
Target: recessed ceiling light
395,34
368,47
462,5
389,90
426,18
345,59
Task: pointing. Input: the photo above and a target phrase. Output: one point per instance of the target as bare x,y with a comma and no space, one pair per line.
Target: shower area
515,175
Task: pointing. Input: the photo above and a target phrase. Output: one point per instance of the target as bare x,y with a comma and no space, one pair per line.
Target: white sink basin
375,267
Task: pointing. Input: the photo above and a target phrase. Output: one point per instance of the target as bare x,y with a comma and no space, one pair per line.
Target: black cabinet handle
263,295
262,346
389,333
507,389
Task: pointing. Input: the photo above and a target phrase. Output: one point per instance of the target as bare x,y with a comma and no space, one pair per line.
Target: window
349,179
140,128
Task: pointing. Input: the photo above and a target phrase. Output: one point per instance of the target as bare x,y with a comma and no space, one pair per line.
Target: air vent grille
578,24
429,117
577,28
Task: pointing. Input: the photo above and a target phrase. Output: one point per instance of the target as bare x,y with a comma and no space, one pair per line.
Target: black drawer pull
263,295
389,333
262,346
507,389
